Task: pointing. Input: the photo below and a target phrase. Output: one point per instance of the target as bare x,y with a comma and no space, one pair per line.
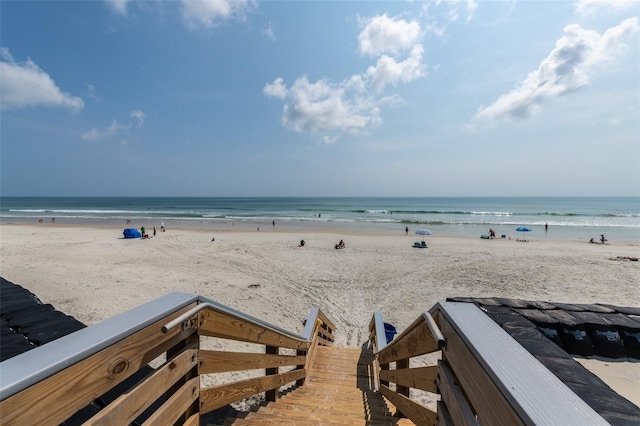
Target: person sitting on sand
340,245
592,241
492,233
301,243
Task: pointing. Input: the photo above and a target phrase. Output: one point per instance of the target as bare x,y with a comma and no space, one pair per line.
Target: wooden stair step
337,391
321,399
343,411
257,419
326,416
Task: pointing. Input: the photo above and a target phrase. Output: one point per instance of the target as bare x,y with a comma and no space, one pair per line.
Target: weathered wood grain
176,405
127,407
220,361
486,399
55,399
418,341
219,396
417,413
216,324
453,398
423,378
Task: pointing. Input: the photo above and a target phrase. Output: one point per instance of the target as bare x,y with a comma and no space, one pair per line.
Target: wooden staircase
338,390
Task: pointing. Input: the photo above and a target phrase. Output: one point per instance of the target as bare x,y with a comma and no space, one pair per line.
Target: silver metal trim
311,323
534,392
381,335
22,371
435,331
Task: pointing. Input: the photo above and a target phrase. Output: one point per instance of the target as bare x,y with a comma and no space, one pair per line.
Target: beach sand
92,273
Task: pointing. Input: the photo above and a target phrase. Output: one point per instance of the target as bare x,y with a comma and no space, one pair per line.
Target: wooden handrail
421,337
65,389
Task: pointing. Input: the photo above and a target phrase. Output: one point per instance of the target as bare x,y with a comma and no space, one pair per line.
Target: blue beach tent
131,233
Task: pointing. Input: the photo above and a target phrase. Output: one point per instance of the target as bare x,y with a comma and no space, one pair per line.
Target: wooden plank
418,341
303,355
417,413
220,361
271,394
176,405
443,417
323,341
453,398
194,420
536,394
423,378
402,364
219,396
326,335
486,399
53,400
127,407
326,320
308,364
216,324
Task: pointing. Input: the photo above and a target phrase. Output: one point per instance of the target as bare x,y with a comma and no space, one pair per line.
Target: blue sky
283,98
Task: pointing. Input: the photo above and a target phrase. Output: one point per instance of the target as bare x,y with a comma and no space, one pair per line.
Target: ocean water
579,218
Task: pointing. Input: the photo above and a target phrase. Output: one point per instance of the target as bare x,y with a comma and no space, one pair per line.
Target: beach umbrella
423,232
523,229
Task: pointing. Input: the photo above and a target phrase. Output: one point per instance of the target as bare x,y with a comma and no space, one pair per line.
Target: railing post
271,395
402,390
384,367
299,352
191,341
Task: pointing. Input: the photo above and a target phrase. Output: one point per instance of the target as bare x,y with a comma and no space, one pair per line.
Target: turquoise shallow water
578,218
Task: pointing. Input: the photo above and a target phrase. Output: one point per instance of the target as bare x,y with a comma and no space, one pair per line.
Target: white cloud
323,106
389,71
114,128
26,85
565,70
353,105
598,7
139,116
382,34
207,13
330,140
119,6
467,7
270,31
277,89
91,92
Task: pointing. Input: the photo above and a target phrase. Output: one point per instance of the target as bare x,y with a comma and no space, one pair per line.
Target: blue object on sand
390,331
132,233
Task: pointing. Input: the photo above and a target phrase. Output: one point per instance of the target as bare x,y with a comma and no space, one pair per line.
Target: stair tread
337,391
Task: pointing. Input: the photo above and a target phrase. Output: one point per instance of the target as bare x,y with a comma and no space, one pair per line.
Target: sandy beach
92,273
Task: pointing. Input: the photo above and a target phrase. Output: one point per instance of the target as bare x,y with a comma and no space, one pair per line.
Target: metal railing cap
24,370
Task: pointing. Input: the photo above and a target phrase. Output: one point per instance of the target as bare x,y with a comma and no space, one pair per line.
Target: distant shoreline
297,228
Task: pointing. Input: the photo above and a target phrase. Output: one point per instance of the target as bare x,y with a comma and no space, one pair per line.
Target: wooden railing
396,375
483,375
101,374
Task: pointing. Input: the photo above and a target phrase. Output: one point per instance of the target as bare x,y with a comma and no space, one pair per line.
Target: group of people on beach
340,245
147,236
602,240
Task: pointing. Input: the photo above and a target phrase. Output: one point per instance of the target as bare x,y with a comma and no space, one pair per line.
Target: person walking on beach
406,230
142,230
273,223
154,231
162,226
